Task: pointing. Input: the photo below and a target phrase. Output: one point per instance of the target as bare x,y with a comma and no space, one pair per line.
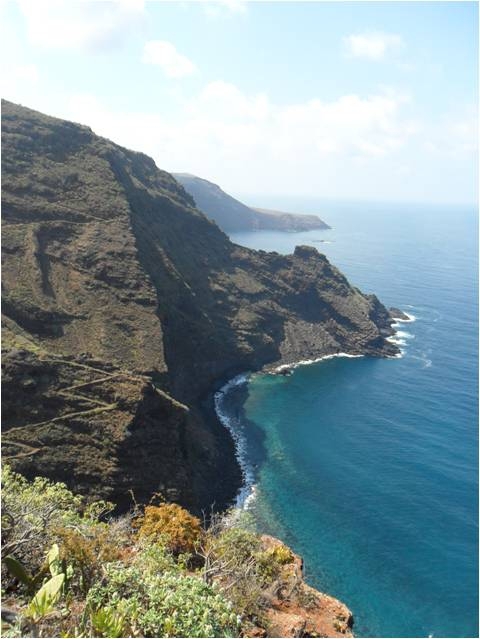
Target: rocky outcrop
397,314
294,609
109,271
231,215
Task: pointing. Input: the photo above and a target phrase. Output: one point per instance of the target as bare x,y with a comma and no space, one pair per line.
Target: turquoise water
369,467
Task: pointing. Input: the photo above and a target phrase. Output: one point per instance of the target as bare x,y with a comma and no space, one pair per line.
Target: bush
281,554
86,548
172,525
237,545
38,513
154,558
161,605
29,511
230,556
131,576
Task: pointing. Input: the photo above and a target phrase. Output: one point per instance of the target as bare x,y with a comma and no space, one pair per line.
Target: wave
427,362
405,335
410,318
246,494
397,355
306,362
400,337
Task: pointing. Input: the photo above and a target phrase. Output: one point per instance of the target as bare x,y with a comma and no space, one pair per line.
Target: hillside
231,215
124,306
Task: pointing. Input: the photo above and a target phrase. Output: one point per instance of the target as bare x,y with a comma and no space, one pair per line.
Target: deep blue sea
369,467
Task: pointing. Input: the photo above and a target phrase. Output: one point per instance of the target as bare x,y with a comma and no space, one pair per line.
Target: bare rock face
123,306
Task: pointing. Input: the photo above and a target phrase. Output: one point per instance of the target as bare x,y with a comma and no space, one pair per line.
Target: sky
344,100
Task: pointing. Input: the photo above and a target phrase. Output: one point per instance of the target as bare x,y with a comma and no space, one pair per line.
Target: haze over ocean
369,467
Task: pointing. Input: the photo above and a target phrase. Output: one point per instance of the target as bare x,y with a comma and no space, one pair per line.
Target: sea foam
246,494
306,362
410,318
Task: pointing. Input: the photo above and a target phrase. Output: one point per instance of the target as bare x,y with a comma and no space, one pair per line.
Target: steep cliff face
109,271
232,215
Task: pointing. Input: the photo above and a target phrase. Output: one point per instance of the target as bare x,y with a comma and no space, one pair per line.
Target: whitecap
405,335
246,494
410,318
306,362
397,355
426,361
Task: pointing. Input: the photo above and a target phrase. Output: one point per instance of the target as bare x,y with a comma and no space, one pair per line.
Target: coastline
399,338
232,425
246,490
231,478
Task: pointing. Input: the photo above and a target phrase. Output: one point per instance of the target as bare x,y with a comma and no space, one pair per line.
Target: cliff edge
123,306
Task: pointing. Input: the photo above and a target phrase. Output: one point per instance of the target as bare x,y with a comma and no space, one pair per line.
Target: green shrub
107,622
33,511
163,604
29,509
237,545
231,562
155,558
281,554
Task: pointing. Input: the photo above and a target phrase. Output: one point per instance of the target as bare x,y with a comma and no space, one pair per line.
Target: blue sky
367,100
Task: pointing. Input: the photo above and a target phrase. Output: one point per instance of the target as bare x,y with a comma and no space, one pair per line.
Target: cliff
231,215
123,305
294,609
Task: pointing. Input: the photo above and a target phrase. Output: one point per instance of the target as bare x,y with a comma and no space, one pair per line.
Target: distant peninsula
232,215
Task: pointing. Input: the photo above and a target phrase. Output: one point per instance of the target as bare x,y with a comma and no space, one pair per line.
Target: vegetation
173,525
70,569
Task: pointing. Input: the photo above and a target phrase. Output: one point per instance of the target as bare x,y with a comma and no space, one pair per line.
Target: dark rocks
306,252
397,314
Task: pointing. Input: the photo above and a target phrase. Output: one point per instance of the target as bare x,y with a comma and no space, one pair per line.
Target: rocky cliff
231,215
123,306
294,609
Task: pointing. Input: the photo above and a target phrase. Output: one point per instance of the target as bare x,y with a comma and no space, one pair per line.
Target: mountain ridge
232,215
124,306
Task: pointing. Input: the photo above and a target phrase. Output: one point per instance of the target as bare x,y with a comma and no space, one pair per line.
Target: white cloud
353,146
372,46
217,8
225,102
80,24
226,135
18,81
455,134
165,55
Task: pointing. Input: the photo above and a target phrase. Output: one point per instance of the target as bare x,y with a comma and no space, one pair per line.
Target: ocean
368,467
